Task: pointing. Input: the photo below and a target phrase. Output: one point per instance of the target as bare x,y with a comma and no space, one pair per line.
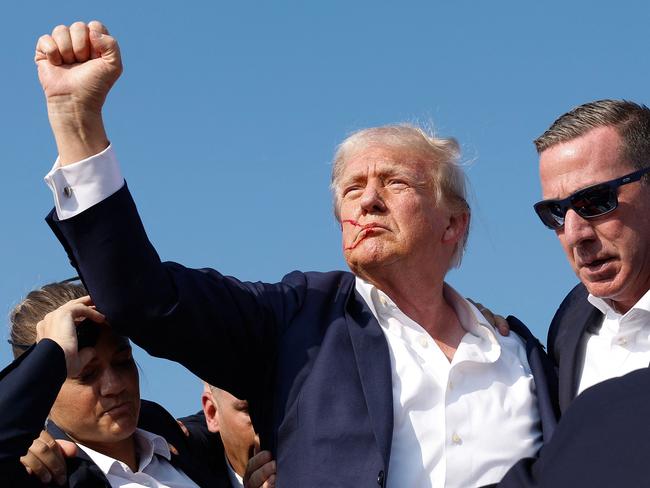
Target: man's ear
210,411
456,227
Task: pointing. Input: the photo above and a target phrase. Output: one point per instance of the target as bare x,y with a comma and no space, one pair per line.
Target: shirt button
622,341
456,439
450,386
423,340
382,300
67,191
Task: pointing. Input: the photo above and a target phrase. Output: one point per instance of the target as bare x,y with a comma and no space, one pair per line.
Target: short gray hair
631,121
448,179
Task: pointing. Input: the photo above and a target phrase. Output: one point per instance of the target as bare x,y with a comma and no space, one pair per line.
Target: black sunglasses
589,202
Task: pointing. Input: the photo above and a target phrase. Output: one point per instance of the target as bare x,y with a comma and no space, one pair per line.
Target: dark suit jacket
28,388
573,320
306,352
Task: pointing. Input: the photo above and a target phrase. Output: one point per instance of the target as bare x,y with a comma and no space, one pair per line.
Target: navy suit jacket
575,318
307,353
28,388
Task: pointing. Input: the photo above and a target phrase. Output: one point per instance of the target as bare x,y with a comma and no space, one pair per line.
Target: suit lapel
578,321
373,361
546,382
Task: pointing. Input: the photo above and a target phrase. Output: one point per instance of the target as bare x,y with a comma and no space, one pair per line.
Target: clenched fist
77,66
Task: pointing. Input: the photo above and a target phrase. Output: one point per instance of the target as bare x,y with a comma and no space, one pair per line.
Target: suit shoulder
318,281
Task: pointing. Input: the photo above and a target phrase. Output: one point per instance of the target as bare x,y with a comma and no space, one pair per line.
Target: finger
257,461
79,312
36,468
262,475
68,448
105,47
502,325
96,25
183,428
46,48
270,483
80,41
61,35
49,453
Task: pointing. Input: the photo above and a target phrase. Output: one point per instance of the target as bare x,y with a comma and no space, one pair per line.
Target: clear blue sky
227,115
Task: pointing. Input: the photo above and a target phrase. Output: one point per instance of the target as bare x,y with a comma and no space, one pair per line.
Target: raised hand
79,63
60,326
77,66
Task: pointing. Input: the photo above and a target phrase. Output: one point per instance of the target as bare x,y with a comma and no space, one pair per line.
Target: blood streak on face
364,232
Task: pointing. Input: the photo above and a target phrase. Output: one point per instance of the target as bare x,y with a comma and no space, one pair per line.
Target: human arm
24,408
140,292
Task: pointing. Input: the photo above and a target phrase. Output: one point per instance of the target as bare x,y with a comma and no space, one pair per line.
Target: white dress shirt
154,470
462,423
456,425
235,480
621,345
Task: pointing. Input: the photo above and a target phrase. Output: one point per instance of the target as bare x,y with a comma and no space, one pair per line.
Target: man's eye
397,184
351,190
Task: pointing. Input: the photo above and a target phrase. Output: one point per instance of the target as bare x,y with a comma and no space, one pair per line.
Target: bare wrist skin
79,131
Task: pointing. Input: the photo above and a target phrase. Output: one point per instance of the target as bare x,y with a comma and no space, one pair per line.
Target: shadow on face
100,406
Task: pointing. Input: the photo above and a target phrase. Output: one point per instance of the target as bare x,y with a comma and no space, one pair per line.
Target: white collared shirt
621,345
462,423
235,480
154,470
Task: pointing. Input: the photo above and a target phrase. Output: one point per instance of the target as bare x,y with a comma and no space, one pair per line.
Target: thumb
105,47
69,449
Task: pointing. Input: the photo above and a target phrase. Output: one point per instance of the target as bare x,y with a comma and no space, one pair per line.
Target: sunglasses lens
595,201
551,214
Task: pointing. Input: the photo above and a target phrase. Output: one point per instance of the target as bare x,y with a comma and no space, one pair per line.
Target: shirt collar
606,309
481,333
146,443
235,480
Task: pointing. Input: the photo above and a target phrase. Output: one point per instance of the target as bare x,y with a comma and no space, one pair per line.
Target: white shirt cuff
79,186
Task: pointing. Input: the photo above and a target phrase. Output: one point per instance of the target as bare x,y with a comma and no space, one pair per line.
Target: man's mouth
596,265
365,230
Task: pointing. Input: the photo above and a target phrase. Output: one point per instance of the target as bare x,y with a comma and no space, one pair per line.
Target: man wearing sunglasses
594,165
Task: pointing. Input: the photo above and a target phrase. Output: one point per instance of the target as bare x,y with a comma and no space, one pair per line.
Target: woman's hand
61,327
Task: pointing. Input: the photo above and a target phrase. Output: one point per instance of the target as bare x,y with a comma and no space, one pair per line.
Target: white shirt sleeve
79,186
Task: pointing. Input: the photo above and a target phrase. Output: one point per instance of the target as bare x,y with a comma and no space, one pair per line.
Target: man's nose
371,201
577,229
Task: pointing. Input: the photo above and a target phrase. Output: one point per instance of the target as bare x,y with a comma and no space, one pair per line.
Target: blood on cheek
365,231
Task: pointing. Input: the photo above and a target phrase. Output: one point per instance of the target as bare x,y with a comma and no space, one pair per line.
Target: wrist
78,129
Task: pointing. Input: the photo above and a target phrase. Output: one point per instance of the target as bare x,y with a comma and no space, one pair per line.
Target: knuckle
39,447
59,29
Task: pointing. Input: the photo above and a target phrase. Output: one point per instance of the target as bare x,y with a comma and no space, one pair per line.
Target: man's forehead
383,158
577,163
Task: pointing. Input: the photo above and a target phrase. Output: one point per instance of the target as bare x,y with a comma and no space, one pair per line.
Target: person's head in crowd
228,415
594,164
98,407
399,195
